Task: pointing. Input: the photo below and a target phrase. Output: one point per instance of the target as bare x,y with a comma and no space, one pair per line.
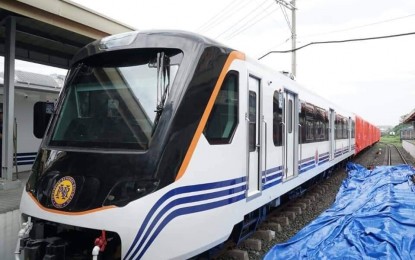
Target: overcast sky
375,79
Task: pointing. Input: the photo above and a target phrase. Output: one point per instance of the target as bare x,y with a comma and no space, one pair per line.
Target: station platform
10,198
371,218
10,217
409,146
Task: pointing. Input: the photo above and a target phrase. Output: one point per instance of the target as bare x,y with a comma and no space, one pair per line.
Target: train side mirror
42,112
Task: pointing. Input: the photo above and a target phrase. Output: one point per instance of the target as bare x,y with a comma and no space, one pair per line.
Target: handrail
301,146
283,150
265,148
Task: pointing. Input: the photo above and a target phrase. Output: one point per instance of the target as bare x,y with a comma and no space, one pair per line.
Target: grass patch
391,139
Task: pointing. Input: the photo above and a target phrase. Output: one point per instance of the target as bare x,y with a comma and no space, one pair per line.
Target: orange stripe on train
232,56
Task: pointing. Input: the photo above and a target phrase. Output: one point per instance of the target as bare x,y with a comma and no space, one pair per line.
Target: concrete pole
294,38
8,99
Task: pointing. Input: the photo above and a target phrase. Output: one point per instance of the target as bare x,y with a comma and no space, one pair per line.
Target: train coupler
52,248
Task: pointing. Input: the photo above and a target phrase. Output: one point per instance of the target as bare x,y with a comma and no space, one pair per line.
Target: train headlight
128,190
118,40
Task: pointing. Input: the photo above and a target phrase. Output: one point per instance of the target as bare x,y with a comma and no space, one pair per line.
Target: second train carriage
163,143
30,89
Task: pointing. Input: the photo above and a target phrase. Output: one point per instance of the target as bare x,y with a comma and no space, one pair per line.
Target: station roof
50,32
409,117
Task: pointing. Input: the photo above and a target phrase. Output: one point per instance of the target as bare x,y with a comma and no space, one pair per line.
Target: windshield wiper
163,84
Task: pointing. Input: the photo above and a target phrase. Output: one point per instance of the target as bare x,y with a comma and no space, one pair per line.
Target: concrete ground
10,216
10,198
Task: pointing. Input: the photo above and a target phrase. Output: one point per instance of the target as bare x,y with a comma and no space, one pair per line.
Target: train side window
223,119
309,123
341,128
338,126
301,132
290,116
327,125
353,129
252,120
345,129
42,112
321,121
277,119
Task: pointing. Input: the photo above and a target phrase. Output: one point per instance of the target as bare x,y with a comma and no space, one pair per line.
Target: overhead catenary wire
227,12
237,23
268,11
284,13
340,41
214,18
343,30
360,26
248,24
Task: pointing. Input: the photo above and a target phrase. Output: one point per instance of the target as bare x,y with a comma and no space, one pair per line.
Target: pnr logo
63,192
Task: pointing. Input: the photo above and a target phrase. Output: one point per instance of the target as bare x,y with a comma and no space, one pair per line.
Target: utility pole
293,40
291,6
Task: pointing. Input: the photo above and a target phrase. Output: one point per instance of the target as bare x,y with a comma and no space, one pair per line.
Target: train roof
35,81
307,94
187,41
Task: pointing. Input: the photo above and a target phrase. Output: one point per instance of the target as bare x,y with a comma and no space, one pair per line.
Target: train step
249,225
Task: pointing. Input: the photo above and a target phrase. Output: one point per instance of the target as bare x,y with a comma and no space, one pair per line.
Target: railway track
394,155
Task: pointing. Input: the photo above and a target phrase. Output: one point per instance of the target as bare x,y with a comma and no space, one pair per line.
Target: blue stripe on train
154,222
25,158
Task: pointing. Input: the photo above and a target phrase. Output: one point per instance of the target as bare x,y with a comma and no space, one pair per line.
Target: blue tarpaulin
373,217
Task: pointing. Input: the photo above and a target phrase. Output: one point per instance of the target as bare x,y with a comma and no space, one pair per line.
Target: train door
332,131
291,135
254,136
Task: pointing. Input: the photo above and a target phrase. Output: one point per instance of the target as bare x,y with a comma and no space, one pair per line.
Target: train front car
109,173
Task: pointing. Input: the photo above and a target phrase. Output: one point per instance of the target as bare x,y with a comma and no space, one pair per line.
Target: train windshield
113,100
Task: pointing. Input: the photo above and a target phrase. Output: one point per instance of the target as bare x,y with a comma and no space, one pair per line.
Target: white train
30,89
164,144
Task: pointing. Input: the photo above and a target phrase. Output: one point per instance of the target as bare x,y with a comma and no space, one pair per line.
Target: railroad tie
301,205
252,243
266,235
297,210
305,201
271,225
283,221
238,254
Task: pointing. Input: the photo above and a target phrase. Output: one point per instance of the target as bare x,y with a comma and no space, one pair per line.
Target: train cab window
277,119
114,100
223,118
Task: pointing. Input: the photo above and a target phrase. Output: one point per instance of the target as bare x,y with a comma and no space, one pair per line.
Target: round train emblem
63,192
